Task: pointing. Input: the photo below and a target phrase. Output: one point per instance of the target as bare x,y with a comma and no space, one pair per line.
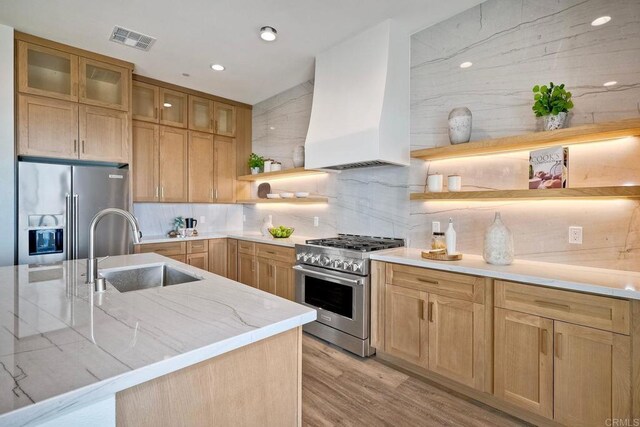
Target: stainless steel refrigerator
56,204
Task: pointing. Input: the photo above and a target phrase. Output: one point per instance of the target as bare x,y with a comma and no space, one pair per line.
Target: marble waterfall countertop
241,235
617,283
63,347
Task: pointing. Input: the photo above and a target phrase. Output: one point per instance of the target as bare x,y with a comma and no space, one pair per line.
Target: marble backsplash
157,218
513,45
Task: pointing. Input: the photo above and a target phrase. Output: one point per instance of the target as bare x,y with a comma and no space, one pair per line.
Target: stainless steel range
332,276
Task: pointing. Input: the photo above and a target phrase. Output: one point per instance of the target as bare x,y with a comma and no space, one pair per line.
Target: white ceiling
193,34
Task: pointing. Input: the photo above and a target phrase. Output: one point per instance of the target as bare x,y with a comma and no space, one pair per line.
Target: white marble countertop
63,347
618,283
241,235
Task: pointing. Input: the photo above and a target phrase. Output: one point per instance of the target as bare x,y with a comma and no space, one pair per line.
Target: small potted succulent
255,163
552,103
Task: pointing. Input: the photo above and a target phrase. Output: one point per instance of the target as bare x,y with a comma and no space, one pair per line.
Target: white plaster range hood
360,111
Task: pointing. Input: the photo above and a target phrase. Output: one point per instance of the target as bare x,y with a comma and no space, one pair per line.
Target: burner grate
358,243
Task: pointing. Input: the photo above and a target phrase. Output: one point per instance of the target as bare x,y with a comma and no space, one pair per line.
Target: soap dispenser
450,237
267,223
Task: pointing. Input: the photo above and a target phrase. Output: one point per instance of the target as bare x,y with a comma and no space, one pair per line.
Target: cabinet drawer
180,258
196,246
166,249
275,253
596,311
245,247
454,285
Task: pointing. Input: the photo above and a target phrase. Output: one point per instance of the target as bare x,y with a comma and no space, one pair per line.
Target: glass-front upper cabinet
200,114
47,72
104,84
173,108
144,102
224,119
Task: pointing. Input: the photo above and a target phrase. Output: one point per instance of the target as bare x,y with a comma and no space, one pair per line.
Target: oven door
341,299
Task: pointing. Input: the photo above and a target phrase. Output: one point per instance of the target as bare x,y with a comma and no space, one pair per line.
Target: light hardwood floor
341,389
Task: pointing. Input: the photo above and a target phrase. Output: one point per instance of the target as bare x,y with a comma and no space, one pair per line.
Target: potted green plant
255,163
552,103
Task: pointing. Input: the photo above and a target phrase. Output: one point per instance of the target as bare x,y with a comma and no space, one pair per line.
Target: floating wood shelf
288,173
575,135
297,200
620,192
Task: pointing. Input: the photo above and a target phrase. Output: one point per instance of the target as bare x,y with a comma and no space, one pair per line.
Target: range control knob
338,263
347,265
301,255
325,261
315,259
306,257
356,266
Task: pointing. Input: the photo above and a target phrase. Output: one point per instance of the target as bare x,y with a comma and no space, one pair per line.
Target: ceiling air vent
131,38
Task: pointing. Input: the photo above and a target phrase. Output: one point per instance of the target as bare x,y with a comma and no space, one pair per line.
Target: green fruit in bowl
281,232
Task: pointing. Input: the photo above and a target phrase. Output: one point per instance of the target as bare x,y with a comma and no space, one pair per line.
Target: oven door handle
327,276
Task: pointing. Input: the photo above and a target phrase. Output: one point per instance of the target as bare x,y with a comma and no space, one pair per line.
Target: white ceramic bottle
450,238
267,223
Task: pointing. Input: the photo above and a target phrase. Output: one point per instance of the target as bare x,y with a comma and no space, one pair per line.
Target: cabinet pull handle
162,192
270,252
83,146
253,265
75,145
430,310
155,113
421,310
555,305
431,282
215,192
557,344
157,192
162,114
543,341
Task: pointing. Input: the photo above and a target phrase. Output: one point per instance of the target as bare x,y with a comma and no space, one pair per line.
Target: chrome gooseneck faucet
92,262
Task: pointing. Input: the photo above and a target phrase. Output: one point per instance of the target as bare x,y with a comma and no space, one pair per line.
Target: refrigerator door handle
68,232
76,216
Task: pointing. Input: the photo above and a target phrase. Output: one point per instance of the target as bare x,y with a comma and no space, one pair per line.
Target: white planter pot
255,171
557,121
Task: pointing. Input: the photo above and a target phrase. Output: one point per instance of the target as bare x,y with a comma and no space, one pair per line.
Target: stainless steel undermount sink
147,277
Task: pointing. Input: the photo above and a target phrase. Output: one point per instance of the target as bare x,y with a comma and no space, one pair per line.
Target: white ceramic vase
255,171
498,243
555,121
267,223
298,156
460,125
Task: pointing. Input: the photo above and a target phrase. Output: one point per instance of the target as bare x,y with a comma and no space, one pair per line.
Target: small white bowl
302,194
273,196
287,195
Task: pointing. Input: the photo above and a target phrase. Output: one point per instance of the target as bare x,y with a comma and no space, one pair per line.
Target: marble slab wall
513,44
157,218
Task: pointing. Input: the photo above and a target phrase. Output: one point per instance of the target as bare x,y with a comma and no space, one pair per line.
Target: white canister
454,183
434,183
276,167
267,166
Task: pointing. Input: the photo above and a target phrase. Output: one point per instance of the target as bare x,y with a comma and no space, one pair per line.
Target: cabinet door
232,259
200,167
173,164
224,166
47,127
247,269
104,134
265,275
591,375
406,330
179,258
283,280
104,85
144,102
224,119
199,260
218,256
200,114
47,72
456,340
145,162
173,108
523,364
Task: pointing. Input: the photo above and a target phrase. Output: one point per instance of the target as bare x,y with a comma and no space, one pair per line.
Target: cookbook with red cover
548,168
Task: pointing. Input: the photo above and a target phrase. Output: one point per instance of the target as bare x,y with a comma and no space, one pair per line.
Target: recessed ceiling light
466,64
217,67
611,83
272,127
268,34
600,21
167,104
186,75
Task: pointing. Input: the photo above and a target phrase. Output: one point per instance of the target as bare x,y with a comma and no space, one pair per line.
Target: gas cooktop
358,243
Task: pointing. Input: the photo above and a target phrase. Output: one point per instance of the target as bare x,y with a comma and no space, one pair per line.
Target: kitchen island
213,350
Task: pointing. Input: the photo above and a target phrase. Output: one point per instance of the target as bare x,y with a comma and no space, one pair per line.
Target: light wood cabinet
201,167
173,108
104,134
167,249
104,85
47,72
284,281
218,256
406,329
224,119
224,167
232,259
145,99
145,162
264,275
456,339
47,127
523,373
201,114
173,164
199,260
247,272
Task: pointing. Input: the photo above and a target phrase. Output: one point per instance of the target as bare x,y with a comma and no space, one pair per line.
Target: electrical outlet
575,235
316,221
202,219
244,218
435,226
